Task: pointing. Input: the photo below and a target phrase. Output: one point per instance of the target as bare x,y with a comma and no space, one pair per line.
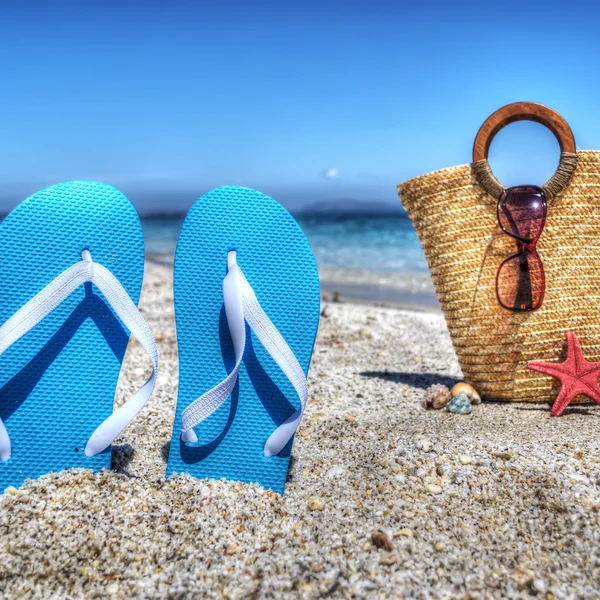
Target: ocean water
362,257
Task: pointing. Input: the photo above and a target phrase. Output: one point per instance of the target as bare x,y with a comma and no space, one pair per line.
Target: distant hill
335,210
346,208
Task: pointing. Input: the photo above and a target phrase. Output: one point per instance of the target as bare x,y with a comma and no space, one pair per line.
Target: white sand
500,503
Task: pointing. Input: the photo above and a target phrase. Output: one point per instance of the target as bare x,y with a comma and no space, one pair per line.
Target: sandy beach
502,503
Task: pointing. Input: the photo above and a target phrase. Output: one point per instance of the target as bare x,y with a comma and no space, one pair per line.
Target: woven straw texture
456,222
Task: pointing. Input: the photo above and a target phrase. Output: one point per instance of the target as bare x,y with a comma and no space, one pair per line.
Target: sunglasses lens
522,212
520,282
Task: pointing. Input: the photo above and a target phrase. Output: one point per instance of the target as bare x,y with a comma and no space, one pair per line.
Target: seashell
381,540
469,390
404,532
436,396
440,401
460,405
315,503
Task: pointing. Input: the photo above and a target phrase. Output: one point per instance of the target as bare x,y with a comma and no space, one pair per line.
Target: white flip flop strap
281,353
41,305
241,304
206,405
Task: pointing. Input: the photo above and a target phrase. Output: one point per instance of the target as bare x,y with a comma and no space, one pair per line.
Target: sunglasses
520,281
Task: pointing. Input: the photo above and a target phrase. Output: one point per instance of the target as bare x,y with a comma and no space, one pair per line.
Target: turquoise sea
375,258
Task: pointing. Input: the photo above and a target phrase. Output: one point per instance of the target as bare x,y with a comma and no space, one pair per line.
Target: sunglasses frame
525,246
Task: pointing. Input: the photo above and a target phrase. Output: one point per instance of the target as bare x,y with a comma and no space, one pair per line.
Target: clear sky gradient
307,101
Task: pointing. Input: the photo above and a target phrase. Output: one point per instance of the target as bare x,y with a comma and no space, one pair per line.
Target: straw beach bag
454,213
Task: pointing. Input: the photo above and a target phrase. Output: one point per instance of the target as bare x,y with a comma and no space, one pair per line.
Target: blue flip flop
247,306
71,269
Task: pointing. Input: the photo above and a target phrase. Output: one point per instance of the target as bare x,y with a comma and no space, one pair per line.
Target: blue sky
306,101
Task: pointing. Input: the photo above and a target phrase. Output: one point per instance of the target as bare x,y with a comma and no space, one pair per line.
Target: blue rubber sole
277,260
57,383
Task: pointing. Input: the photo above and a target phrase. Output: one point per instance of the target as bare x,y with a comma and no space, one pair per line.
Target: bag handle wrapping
525,111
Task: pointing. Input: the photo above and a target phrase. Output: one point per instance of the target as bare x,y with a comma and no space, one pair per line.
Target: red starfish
577,376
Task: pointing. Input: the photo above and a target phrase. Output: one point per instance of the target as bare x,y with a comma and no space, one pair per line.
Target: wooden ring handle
525,111
522,111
